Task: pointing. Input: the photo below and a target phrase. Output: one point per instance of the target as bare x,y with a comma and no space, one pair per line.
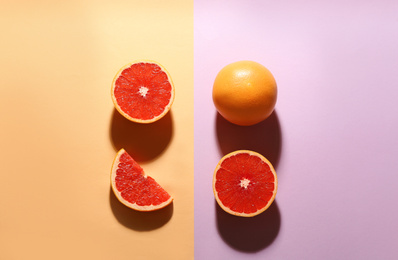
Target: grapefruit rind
137,120
125,202
245,93
227,209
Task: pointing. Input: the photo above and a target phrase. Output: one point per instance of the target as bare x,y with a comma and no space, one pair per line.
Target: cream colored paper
59,131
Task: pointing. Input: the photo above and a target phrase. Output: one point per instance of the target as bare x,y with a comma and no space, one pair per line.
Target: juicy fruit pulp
135,189
245,93
244,183
143,91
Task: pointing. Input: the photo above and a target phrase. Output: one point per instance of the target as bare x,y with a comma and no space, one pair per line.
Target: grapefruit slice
142,91
134,188
244,183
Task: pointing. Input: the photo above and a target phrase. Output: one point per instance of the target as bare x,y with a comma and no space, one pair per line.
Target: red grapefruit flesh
244,183
134,188
143,91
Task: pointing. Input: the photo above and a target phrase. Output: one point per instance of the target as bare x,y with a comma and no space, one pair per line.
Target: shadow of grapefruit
144,142
250,234
138,220
264,137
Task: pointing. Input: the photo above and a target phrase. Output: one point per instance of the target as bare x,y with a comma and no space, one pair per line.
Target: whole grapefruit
245,93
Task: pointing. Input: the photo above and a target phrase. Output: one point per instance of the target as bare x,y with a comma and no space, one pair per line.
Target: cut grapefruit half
143,91
134,188
244,183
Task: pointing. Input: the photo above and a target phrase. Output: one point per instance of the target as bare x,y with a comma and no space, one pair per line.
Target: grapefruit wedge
142,91
134,188
244,183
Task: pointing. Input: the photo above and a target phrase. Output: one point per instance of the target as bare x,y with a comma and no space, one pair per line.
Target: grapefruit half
244,183
142,91
134,188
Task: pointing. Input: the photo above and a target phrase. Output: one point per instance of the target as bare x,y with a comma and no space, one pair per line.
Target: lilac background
333,137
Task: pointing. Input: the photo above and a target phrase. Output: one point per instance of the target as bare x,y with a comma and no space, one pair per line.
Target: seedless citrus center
143,91
244,183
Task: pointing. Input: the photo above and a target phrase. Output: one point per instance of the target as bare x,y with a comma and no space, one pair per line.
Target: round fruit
245,93
244,183
134,188
143,91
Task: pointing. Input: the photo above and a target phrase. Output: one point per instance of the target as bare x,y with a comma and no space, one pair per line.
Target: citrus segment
143,91
245,93
244,183
134,188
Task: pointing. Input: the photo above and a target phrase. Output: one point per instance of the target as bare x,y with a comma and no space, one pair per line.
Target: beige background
59,131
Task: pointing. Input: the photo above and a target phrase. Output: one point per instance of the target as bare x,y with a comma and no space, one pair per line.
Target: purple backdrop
333,137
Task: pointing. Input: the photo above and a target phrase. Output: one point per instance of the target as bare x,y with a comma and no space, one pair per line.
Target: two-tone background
332,138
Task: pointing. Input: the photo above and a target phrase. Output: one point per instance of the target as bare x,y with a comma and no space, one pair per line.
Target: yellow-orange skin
227,209
245,93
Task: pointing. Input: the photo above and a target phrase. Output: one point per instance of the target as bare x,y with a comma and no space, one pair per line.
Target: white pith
143,91
244,183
